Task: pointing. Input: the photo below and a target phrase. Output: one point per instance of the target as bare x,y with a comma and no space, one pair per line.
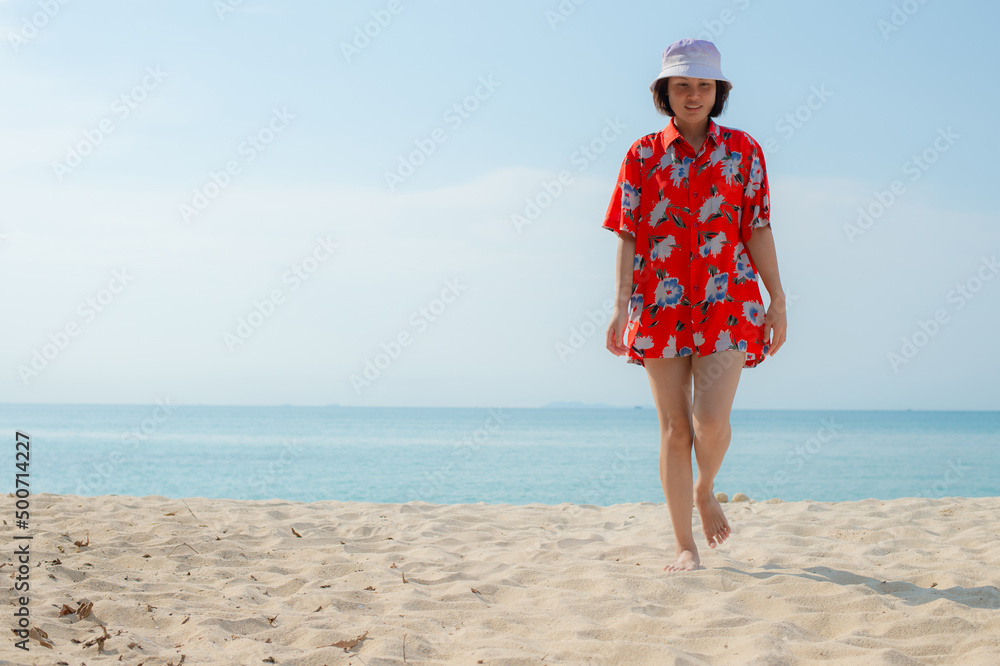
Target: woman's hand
775,325
616,330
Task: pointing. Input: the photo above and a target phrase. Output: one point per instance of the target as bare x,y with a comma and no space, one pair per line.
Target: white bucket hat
697,58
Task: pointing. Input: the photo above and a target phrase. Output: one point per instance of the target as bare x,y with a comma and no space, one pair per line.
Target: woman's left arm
761,248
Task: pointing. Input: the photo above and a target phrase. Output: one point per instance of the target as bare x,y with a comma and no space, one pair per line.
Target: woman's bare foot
713,520
687,560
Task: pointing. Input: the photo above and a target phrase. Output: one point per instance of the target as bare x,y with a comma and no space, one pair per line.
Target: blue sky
184,167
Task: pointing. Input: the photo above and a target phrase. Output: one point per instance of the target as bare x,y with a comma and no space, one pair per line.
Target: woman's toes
714,523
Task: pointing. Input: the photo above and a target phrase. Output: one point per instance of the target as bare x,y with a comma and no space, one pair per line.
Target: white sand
908,581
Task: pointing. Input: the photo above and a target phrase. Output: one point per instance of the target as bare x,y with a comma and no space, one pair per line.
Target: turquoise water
467,455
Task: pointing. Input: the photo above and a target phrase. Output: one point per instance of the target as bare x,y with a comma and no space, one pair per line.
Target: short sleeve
756,210
623,211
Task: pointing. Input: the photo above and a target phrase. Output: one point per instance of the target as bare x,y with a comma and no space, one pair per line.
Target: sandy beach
152,580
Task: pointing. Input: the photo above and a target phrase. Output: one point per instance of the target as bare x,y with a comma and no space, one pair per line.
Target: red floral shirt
694,283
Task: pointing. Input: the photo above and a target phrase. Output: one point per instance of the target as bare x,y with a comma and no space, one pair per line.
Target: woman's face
691,99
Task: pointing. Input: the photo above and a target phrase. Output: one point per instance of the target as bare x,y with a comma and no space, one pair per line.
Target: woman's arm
626,262
623,294
761,248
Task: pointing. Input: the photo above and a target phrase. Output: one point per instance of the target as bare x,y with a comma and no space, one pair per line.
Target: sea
494,455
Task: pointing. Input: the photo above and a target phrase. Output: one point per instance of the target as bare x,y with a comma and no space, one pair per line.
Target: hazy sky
169,169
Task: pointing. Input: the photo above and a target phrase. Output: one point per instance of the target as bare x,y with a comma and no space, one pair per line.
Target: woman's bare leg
670,381
716,377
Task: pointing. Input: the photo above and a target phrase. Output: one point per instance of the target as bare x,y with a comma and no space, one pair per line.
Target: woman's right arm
623,294
626,262
621,217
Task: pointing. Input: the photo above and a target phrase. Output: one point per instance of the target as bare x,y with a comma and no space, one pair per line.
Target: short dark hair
662,100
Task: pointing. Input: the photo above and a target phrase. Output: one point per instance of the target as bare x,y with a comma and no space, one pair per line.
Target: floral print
694,284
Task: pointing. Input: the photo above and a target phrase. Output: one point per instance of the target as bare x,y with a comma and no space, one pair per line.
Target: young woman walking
688,304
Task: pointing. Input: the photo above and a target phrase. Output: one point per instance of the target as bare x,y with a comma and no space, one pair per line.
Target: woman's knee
710,424
675,431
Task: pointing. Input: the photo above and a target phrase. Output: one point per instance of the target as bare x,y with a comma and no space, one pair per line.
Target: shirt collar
670,133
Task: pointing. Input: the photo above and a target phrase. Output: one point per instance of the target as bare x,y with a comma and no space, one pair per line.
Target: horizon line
568,405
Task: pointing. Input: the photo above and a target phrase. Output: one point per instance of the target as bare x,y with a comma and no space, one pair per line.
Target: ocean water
492,455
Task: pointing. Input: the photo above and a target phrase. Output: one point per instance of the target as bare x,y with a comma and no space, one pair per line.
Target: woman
688,304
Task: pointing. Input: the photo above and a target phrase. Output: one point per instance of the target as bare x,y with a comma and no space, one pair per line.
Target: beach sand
206,581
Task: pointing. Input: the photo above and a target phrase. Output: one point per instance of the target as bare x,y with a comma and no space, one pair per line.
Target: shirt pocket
725,217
